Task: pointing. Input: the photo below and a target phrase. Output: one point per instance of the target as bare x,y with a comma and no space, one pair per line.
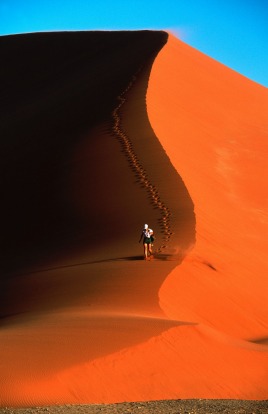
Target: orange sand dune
101,134
214,128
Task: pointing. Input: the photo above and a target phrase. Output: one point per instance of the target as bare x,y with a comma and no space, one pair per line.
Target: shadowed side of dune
73,196
77,191
56,87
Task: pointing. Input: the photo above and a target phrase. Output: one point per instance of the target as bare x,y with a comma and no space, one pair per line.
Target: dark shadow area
58,89
260,341
49,269
54,88
157,256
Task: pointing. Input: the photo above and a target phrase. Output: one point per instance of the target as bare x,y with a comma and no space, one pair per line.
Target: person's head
146,226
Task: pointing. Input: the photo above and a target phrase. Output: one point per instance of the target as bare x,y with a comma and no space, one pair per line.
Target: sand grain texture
152,407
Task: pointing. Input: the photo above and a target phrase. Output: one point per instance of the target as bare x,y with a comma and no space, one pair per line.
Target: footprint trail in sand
139,169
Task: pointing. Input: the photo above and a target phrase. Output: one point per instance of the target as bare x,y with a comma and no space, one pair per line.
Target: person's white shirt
147,232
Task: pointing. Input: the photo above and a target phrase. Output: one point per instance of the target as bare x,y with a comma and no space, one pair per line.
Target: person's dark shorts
147,240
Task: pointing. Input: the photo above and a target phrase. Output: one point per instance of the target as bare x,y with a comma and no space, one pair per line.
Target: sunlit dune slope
213,124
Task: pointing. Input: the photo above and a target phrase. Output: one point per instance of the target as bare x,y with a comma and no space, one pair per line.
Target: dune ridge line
138,168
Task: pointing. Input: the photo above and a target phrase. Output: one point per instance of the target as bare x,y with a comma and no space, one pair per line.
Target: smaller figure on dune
147,235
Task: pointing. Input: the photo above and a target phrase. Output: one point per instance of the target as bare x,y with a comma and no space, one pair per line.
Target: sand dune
102,132
227,185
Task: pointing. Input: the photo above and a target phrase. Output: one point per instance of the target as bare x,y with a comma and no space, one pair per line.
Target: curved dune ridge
139,169
102,132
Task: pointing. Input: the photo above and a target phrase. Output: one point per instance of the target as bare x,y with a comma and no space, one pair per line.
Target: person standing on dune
147,235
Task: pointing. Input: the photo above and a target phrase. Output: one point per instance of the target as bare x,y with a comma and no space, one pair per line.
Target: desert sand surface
152,407
102,132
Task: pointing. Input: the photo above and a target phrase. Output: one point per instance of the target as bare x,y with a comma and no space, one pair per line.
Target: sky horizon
234,33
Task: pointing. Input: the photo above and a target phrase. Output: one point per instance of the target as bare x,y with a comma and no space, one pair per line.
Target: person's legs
150,249
145,245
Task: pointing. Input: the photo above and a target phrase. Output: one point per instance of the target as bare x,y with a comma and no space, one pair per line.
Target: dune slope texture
100,133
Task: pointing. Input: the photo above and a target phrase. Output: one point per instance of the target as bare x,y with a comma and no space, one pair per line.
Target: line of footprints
139,171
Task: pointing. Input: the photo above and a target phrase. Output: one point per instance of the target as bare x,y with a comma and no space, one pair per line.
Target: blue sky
234,32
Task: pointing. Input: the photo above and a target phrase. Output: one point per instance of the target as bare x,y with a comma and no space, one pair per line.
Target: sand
105,131
152,407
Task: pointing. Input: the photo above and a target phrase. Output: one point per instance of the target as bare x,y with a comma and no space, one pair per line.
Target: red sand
88,321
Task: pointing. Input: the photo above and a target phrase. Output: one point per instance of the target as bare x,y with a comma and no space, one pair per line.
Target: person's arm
141,236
